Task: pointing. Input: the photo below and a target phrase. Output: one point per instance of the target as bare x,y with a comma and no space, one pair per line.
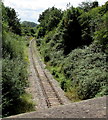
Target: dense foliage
48,20
14,65
10,17
75,49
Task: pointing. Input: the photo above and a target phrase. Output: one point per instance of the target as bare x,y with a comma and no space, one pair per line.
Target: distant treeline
28,28
29,24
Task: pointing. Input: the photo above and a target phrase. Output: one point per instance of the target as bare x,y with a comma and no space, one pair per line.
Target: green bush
14,72
87,68
13,83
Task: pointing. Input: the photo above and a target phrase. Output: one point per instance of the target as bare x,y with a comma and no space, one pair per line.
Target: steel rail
48,102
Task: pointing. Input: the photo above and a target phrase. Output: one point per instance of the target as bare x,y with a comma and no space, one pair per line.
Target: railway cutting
47,90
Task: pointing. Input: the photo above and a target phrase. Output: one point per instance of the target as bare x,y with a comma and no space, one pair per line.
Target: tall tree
49,19
86,6
11,18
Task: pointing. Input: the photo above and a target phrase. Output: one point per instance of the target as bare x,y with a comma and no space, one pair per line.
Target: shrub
14,72
87,68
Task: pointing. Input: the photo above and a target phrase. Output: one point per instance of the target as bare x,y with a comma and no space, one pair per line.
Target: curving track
51,96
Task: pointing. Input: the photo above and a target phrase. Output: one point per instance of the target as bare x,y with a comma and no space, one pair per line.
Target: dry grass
72,95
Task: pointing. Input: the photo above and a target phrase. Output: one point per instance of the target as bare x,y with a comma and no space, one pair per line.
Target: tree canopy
11,18
49,19
75,48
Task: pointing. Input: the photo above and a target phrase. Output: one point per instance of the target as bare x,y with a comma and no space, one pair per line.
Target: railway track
50,94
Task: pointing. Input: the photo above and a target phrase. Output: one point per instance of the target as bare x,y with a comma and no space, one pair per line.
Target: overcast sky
29,10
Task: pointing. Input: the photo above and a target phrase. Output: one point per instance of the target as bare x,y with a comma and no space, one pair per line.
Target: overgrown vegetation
14,66
75,48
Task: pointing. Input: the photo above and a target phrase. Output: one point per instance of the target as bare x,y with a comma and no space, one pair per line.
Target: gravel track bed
35,85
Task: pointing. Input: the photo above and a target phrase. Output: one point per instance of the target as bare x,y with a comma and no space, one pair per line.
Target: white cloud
30,9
